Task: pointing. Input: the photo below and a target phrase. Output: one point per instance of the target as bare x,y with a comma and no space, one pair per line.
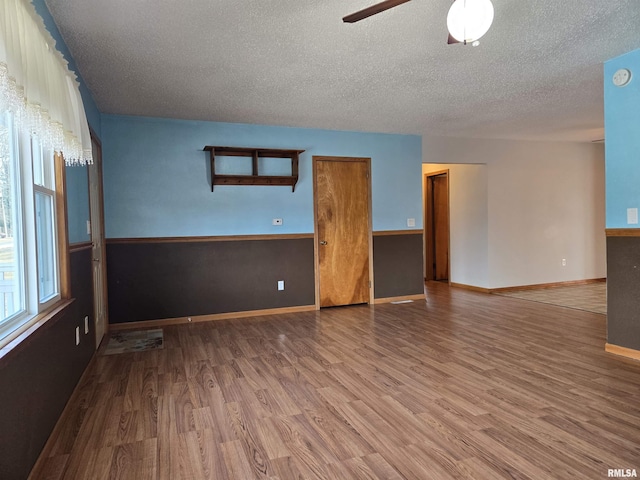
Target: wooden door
343,230
441,226
437,226
97,239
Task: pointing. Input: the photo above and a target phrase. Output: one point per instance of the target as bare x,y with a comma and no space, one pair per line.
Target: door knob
323,242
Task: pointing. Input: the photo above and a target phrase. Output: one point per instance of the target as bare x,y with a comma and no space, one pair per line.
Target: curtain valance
36,85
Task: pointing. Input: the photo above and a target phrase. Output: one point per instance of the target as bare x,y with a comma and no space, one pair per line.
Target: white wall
545,202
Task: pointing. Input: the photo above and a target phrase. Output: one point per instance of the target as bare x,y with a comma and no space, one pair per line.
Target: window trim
52,299
64,265
49,311
20,337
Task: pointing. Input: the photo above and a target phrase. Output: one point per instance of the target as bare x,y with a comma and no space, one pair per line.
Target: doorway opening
436,208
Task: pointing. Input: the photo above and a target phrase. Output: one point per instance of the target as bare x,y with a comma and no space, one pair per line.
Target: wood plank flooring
464,386
591,297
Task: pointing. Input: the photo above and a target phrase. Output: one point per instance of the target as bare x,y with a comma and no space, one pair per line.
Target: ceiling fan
467,21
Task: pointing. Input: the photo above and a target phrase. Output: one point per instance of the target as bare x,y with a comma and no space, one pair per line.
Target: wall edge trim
232,238
417,296
622,232
622,351
382,233
208,318
77,247
547,285
472,288
21,337
214,238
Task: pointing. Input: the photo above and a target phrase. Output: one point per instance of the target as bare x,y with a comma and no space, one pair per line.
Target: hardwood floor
591,296
467,385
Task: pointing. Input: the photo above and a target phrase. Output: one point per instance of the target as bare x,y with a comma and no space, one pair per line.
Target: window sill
20,338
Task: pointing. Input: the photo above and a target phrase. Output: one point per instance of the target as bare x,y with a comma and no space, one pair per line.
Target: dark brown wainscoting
397,264
39,375
623,282
82,292
153,280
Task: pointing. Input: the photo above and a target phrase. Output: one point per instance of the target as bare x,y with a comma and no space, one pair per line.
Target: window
45,197
29,250
11,281
39,97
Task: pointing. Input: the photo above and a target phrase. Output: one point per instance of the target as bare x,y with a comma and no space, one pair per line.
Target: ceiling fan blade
372,10
451,40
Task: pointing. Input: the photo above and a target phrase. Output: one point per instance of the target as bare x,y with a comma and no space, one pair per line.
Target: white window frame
39,153
25,234
14,321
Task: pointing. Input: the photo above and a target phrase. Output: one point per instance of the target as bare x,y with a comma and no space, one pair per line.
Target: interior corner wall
622,140
469,220
157,186
545,202
38,377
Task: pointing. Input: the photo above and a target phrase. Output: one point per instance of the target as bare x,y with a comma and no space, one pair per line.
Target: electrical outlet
276,221
411,222
632,216
77,335
88,227
280,284
86,325
564,262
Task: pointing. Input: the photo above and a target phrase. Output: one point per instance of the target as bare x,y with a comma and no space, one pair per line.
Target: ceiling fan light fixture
469,20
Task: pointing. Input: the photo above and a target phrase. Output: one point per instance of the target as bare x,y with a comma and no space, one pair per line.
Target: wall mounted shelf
255,178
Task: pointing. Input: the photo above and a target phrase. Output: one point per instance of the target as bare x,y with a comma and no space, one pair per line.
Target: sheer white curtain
37,87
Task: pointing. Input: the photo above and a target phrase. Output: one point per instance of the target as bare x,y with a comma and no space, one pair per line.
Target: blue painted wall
77,204
156,178
622,140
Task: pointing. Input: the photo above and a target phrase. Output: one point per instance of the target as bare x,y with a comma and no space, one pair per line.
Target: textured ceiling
537,73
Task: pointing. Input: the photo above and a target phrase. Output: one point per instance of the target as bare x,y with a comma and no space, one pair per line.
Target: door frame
316,240
428,224
97,164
